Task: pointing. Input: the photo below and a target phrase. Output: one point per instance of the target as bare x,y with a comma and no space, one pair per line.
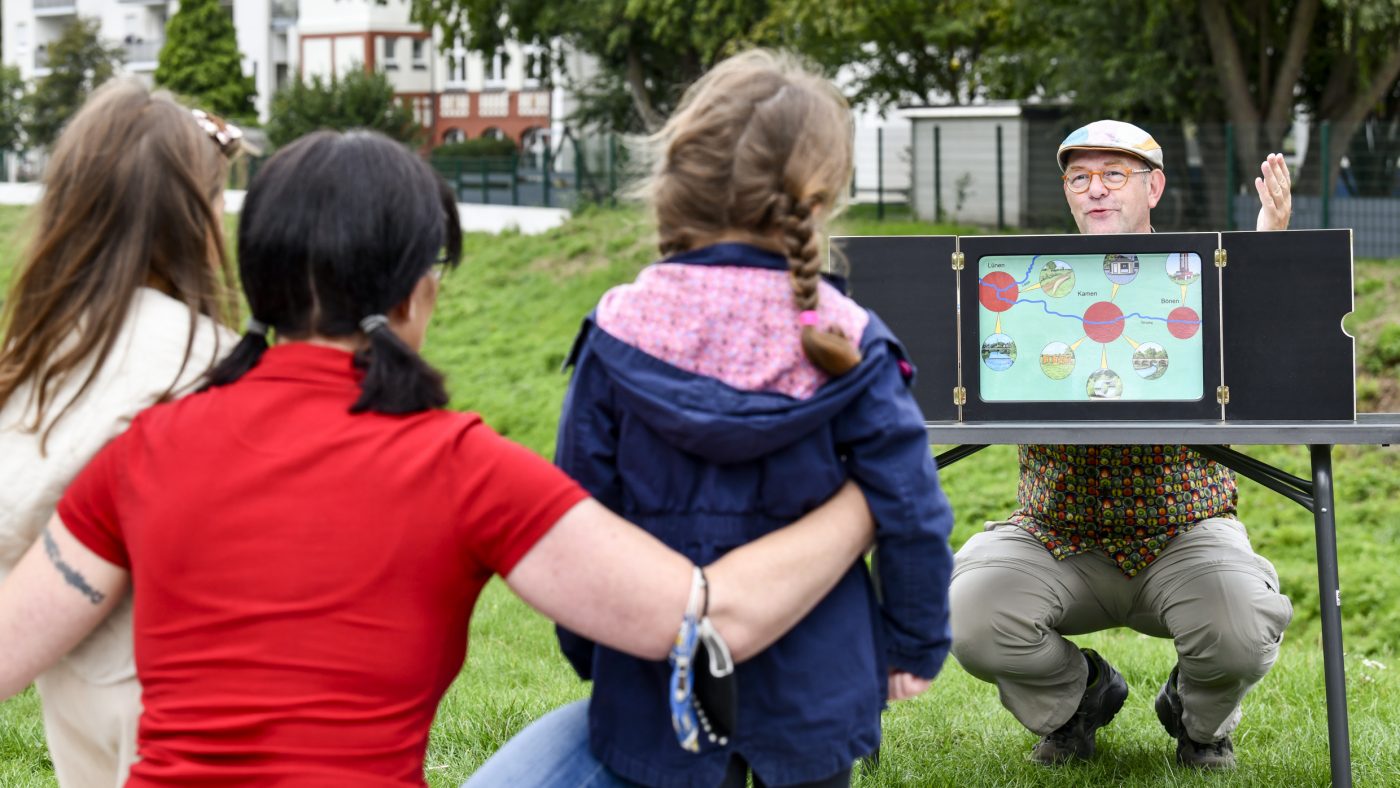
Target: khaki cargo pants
1013,602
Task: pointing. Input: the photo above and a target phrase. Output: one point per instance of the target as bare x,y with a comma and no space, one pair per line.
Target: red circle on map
1103,322
998,291
1183,322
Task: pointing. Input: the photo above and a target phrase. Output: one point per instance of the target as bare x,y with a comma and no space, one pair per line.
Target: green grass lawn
504,325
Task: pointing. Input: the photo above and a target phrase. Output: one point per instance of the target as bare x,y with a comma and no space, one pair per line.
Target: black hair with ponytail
337,229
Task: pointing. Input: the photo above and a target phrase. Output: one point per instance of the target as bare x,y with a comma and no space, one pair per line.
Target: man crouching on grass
1065,565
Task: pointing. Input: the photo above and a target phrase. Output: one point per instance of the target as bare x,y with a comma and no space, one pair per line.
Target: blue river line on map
1080,318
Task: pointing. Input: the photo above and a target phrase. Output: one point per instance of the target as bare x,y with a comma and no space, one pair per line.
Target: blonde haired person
726,390
116,306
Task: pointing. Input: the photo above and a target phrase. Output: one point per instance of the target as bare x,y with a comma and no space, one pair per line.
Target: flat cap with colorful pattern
1112,135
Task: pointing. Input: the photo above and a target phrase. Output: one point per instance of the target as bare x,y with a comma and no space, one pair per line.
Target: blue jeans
551,751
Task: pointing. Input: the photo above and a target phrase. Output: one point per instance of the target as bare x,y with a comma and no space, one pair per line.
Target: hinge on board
1222,395
959,395
1219,258
958,260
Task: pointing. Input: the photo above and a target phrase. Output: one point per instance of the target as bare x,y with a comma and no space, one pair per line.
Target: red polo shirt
303,577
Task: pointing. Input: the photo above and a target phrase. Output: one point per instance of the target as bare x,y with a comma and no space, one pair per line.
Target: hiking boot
1219,754
1102,699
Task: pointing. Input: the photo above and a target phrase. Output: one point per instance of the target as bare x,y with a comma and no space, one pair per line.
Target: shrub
201,61
479,148
359,99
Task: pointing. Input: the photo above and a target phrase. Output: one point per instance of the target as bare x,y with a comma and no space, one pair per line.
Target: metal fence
592,169
881,176
1342,177
1347,177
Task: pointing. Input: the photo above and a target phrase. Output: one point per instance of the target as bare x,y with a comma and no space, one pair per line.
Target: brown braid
829,349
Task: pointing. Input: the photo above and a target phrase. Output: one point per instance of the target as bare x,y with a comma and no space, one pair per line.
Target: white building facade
138,27
455,94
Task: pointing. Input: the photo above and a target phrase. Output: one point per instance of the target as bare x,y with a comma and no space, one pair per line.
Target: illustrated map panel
1073,328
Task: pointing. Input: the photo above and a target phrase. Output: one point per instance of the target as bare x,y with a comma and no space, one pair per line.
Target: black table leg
1316,497
956,453
1329,590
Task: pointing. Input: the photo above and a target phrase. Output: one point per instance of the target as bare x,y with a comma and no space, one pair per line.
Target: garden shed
990,164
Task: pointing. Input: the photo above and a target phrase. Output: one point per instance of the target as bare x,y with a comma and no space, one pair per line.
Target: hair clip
227,136
373,323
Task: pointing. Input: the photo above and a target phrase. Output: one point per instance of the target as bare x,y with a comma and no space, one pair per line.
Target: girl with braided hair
731,387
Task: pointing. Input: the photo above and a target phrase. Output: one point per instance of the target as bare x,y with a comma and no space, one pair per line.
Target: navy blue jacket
706,467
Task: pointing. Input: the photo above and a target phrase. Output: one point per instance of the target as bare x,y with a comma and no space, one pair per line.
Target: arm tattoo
70,575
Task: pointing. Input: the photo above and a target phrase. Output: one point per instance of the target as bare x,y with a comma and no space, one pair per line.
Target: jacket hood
713,420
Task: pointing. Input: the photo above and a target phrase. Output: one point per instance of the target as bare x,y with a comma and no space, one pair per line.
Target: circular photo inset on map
1120,268
1183,267
1105,384
1150,361
1056,278
1057,360
998,352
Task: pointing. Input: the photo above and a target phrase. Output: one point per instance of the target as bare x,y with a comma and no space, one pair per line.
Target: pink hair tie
808,317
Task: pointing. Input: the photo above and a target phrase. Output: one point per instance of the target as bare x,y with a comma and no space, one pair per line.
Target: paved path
475,218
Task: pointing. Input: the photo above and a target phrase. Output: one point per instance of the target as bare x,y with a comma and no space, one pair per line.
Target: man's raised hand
1275,194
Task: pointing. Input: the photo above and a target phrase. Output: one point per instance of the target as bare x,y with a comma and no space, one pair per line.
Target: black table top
1368,428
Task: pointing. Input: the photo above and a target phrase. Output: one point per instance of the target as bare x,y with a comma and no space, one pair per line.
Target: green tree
1257,64
359,99
78,62
647,51
13,93
901,51
200,60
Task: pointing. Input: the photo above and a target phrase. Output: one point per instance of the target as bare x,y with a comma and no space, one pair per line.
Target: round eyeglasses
1112,178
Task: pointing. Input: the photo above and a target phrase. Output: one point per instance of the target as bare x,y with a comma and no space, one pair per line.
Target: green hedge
479,148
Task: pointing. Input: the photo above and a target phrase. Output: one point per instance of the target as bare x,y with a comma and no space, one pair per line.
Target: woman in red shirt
306,538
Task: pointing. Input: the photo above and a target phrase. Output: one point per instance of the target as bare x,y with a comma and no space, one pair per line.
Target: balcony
455,104
533,104
141,55
55,7
284,14
493,105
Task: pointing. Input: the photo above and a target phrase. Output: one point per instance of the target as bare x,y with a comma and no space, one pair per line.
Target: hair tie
373,323
256,326
808,317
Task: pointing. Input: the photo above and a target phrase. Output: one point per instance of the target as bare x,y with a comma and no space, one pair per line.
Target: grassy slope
502,329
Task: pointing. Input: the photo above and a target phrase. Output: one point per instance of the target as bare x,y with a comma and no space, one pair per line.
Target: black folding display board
1270,312
908,277
1287,372
1286,355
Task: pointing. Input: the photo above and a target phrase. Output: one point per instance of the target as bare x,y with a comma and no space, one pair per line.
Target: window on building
420,54
453,135
496,69
391,46
423,110
457,63
21,37
536,66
